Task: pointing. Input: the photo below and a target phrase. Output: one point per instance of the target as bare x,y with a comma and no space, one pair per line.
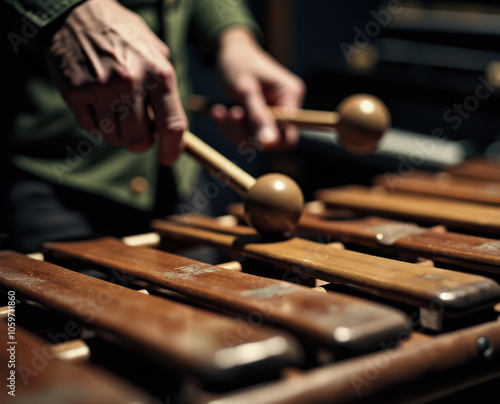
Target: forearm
213,19
236,35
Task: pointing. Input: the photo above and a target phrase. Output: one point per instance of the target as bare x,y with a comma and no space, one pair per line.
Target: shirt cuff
32,20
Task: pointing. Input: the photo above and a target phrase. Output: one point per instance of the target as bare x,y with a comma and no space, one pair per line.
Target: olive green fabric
44,138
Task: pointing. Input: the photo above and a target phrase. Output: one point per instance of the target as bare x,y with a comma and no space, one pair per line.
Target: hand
109,66
255,80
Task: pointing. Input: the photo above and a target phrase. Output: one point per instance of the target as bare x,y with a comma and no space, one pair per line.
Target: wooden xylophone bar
460,215
444,185
419,371
334,343
478,167
58,380
397,238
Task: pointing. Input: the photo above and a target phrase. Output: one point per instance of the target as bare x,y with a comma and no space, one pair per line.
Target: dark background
429,58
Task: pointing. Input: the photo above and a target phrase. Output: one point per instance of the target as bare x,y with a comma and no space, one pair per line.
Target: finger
83,112
260,121
219,113
170,118
107,120
289,135
231,122
133,127
290,95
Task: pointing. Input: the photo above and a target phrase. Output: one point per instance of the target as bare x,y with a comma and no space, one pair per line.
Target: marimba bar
480,168
44,377
444,185
397,238
466,216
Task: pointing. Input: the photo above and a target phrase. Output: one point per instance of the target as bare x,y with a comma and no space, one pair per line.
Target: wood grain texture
418,285
223,168
422,209
43,378
345,324
443,185
180,337
421,371
400,238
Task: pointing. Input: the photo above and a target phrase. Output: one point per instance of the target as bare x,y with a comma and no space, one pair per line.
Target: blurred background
425,60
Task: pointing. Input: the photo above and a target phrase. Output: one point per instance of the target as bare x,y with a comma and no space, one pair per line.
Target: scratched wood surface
42,378
400,281
399,238
444,185
182,338
336,321
419,208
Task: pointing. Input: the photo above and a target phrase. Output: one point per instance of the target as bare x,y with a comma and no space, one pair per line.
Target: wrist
237,35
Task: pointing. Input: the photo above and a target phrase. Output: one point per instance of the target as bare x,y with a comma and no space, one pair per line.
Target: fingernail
266,136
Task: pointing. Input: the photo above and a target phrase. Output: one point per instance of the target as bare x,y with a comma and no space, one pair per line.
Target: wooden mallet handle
305,118
273,202
224,169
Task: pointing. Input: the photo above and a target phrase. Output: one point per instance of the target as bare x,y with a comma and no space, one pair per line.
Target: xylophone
343,308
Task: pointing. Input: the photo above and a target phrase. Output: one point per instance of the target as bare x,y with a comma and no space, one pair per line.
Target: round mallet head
274,204
363,120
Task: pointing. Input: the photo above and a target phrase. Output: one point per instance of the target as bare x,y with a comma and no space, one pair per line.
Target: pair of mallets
273,202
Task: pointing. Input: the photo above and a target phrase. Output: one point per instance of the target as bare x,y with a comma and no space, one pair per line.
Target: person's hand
109,66
255,80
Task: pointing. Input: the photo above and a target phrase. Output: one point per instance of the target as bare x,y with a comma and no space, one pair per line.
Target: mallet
360,120
273,202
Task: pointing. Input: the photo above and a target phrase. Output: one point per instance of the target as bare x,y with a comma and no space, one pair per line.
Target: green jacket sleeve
211,17
29,20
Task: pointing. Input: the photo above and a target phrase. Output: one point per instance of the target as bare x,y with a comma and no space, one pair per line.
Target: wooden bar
40,376
479,167
454,292
345,324
443,185
426,210
422,370
400,238
180,337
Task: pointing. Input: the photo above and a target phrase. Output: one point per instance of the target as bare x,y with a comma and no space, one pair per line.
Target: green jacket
43,138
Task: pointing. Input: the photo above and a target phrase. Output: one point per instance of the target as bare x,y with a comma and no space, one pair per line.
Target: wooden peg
5,311
75,350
